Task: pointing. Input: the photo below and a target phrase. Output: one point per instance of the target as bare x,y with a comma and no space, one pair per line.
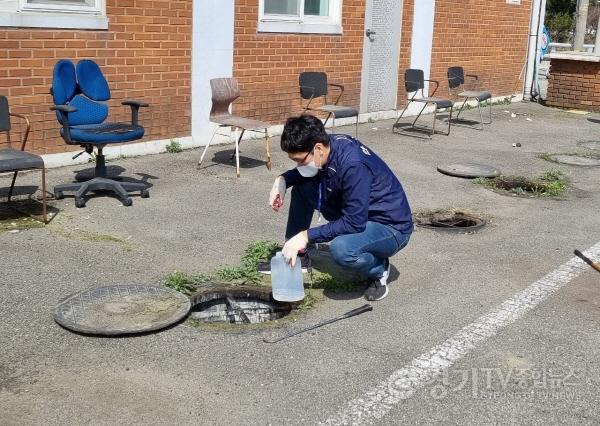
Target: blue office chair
79,96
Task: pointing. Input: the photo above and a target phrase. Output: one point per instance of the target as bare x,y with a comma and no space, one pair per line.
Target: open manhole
237,305
457,221
575,160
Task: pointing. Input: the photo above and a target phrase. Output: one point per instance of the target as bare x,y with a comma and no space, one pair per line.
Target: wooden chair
224,92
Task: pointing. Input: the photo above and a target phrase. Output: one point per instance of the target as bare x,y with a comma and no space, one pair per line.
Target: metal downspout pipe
538,13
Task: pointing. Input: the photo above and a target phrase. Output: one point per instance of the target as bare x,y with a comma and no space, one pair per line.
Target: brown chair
224,92
12,160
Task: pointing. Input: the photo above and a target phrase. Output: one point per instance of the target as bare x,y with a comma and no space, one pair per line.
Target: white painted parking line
403,383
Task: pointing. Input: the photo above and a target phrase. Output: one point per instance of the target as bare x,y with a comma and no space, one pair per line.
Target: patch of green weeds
93,237
505,101
555,183
174,147
311,297
184,283
551,184
325,281
246,273
19,224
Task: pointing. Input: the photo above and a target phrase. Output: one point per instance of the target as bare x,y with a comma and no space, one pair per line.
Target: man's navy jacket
361,186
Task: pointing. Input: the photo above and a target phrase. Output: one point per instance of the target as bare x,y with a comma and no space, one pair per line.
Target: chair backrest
4,116
312,84
414,79
456,77
84,88
224,92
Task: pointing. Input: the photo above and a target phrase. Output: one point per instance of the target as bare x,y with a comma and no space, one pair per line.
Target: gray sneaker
376,291
378,288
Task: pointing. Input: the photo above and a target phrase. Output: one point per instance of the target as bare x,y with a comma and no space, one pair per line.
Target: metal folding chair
224,92
414,82
314,85
12,160
456,84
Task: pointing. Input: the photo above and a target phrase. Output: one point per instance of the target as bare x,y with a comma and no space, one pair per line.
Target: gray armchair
15,160
456,85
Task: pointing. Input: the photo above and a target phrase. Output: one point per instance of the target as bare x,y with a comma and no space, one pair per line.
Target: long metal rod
353,312
587,260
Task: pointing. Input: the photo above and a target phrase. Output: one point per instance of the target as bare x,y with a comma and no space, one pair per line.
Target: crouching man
368,216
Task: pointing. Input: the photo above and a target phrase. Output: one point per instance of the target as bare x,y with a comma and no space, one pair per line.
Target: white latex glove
293,246
277,193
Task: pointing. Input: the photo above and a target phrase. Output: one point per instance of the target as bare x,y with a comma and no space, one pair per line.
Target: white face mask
309,170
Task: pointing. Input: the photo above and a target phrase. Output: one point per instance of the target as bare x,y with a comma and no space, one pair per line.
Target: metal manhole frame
221,291
480,222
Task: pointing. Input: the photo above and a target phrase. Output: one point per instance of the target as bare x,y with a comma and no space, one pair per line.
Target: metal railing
562,47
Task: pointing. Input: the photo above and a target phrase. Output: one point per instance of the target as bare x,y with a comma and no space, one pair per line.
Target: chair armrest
437,84
135,108
64,111
339,86
63,108
135,103
26,135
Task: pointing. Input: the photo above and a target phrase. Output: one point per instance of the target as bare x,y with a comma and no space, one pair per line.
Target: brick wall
405,49
486,37
145,55
267,65
574,84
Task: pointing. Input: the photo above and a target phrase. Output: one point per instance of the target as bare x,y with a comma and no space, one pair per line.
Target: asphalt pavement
539,367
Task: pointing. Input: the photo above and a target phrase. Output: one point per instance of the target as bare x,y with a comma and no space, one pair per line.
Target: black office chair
314,85
457,82
79,96
414,82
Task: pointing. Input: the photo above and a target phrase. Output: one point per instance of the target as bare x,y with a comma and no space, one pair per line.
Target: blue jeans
365,252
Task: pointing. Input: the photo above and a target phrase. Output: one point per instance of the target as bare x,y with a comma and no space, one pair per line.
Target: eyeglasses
306,156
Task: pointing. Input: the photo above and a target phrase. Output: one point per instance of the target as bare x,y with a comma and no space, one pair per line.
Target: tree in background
561,17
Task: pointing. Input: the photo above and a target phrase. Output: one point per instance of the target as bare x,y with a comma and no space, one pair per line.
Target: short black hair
300,134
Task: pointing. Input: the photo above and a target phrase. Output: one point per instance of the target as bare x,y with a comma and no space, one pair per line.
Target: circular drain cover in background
122,309
469,170
595,145
575,160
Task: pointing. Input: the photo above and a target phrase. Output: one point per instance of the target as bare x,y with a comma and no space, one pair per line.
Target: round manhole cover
456,221
575,160
469,170
595,145
237,305
122,309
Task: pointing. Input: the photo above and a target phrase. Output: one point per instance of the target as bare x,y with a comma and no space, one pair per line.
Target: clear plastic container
286,281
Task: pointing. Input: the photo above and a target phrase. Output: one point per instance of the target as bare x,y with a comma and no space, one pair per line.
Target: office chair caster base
120,189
